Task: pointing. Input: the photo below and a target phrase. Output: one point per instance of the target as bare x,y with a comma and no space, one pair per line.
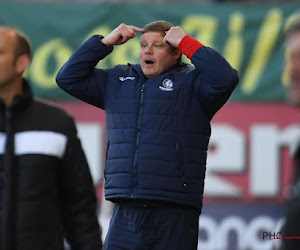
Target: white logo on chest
122,79
167,85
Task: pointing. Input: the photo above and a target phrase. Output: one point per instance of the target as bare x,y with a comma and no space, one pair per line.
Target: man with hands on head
158,117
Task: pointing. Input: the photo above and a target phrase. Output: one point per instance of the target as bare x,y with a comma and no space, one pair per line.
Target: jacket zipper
106,155
179,164
138,137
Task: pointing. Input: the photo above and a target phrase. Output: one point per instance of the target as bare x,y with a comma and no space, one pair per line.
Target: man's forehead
8,30
7,33
152,36
7,39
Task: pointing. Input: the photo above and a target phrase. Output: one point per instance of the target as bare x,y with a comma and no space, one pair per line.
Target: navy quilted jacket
158,129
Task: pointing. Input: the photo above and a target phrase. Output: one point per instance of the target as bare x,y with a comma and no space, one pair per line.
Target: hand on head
174,36
121,34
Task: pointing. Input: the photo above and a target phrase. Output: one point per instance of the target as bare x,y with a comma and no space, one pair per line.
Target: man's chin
149,74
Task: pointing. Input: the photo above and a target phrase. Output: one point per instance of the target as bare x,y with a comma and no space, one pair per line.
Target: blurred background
250,163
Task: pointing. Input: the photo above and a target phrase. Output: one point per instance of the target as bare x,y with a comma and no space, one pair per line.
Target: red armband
189,45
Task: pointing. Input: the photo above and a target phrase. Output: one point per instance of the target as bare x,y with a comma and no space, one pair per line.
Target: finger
167,42
136,29
165,39
125,37
128,33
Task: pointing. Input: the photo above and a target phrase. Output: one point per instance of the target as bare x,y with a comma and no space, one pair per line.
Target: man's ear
23,63
177,54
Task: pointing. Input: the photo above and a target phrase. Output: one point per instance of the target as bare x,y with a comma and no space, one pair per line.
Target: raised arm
216,78
80,78
121,34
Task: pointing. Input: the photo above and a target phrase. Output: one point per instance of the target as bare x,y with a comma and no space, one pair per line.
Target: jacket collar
138,69
19,102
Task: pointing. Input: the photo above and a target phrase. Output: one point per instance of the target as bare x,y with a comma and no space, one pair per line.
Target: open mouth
149,62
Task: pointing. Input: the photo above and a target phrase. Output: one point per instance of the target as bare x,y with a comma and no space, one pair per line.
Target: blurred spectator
292,47
292,50
46,189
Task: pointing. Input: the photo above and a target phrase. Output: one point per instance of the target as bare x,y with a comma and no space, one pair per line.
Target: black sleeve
291,226
78,196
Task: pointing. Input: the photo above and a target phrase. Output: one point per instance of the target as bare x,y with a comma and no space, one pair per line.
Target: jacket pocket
180,164
106,156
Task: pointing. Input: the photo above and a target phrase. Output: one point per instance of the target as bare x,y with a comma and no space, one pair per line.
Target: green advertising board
250,37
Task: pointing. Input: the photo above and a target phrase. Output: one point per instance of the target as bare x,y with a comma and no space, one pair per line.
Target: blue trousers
146,227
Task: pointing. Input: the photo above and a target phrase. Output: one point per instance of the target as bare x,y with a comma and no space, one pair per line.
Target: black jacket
291,226
46,189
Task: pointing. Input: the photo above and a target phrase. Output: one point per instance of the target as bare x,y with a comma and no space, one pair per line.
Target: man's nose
148,50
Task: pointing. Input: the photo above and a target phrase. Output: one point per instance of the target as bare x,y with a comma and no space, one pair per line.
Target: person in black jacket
291,227
46,190
158,117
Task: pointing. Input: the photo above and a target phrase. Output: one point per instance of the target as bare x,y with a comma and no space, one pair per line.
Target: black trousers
145,227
